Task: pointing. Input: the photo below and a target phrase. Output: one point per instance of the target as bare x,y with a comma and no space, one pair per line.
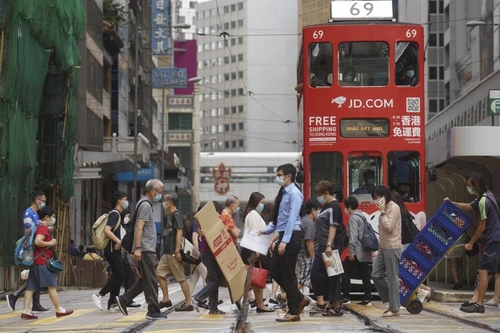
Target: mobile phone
381,201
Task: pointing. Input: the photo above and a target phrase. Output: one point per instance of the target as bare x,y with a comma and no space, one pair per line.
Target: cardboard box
224,250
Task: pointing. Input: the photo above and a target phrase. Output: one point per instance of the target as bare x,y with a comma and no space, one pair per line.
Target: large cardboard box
224,250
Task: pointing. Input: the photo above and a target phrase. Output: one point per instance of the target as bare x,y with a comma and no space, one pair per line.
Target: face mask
42,204
164,205
280,180
410,73
321,200
237,209
348,78
126,220
316,214
52,222
370,181
125,205
260,207
470,190
346,211
158,197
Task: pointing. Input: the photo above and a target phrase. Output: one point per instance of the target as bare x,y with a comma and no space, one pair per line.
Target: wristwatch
328,245
137,247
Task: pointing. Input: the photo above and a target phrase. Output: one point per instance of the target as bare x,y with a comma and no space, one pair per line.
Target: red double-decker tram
361,112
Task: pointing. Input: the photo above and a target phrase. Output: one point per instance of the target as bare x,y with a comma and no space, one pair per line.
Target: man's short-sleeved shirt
113,218
487,208
145,213
174,222
309,229
229,224
30,218
329,216
41,258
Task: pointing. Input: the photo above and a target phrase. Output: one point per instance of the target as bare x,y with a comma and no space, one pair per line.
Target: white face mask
126,220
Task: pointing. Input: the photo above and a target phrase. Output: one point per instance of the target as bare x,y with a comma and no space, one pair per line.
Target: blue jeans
214,281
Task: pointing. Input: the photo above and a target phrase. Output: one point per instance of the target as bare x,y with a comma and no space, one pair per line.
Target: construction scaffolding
40,62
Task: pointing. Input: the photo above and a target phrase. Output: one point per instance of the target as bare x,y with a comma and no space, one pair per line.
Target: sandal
332,312
390,314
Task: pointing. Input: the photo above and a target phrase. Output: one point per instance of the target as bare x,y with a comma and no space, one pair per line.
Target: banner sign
169,78
159,27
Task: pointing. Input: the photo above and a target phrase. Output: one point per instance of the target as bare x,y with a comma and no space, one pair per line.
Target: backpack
369,240
25,247
128,239
99,238
408,230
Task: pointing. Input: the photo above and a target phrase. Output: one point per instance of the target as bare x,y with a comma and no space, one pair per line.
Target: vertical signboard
123,87
159,27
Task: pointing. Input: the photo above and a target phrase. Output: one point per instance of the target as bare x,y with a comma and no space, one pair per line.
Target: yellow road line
11,315
55,319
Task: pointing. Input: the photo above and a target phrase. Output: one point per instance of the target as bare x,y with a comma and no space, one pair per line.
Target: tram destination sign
358,10
364,128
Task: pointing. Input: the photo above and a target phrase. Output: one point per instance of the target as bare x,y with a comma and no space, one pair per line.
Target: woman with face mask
253,221
385,273
39,275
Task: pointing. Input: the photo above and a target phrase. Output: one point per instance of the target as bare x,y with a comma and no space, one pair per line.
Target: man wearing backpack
112,252
358,257
30,219
171,261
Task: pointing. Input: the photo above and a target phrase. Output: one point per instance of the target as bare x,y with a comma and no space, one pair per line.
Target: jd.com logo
369,103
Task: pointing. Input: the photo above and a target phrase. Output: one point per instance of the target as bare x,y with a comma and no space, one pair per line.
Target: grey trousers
385,275
147,283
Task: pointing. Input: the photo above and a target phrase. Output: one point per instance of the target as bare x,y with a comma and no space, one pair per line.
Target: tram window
363,64
406,67
404,174
320,65
326,166
365,172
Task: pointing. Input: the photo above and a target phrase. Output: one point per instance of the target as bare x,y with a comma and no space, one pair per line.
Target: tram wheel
415,306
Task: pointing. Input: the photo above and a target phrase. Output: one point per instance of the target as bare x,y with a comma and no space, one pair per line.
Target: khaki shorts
168,264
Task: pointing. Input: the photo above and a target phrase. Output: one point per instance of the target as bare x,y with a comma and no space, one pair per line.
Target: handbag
189,253
54,265
259,276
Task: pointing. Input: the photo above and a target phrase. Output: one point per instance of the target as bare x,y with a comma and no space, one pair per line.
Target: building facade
247,54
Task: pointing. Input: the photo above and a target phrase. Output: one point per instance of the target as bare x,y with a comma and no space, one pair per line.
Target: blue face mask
158,197
410,74
321,200
348,78
260,207
237,209
125,205
470,190
280,180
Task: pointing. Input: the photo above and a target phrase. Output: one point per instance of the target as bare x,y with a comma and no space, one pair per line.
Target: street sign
159,27
180,101
494,102
359,10
169,78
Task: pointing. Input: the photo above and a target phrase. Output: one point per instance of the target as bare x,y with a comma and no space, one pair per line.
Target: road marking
52,320
11,315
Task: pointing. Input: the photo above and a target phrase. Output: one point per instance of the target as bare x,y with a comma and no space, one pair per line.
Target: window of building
226,144
226,60
226,77
403,170
233,144
240,126
226,43
206,46
240,5
233,24
200,64
233,7
432,39
180,121
233,127
240,75
219,61
226,128
233,109
432,7
233,76
226,26
240,92
226,9
441,6
184,154
441,72
240,40
240,23
406,67
233,93
433,73
192,4
320,65
240,57
233,58
220,44
442,104
433,106
226,110
240,108
441,39
233,41
241,143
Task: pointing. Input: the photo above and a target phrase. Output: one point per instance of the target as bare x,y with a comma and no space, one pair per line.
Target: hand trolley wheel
414,306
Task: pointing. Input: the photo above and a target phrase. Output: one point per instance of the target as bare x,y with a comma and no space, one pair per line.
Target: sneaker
195,304
39,309
11,302
468,303
184,307
492,303
166,304
97,301
473,308
423,295
156,316
364,303
122,305
114,309
346,301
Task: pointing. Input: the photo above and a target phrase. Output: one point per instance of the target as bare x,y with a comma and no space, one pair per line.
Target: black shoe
259,310
156,316
184,307
273,301
217,312
473,308
467,304
39,309
122,305
457,286
166,304
204,305
346,301
222,301
11,301
133,305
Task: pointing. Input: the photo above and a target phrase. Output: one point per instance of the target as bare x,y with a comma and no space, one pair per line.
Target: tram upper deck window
406,67
320,65
363,64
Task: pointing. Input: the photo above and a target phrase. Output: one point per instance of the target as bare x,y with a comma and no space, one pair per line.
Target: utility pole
136,112
196,143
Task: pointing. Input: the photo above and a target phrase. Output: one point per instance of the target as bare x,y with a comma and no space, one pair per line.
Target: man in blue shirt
30,219
286,217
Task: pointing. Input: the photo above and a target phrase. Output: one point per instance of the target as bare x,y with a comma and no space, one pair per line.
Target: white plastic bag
25,274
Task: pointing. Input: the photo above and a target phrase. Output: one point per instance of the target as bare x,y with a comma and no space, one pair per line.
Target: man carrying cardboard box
286,217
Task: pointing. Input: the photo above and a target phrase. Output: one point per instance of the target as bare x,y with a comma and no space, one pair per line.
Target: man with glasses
286,221
144,251
30,219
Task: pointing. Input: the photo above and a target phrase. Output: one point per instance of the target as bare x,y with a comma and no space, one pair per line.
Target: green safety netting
41,41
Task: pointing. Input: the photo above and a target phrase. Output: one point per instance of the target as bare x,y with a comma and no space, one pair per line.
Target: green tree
114,13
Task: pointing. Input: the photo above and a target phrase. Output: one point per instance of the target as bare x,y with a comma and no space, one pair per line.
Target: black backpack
128,239
408,229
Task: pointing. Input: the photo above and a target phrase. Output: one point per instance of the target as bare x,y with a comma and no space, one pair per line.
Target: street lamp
196,143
